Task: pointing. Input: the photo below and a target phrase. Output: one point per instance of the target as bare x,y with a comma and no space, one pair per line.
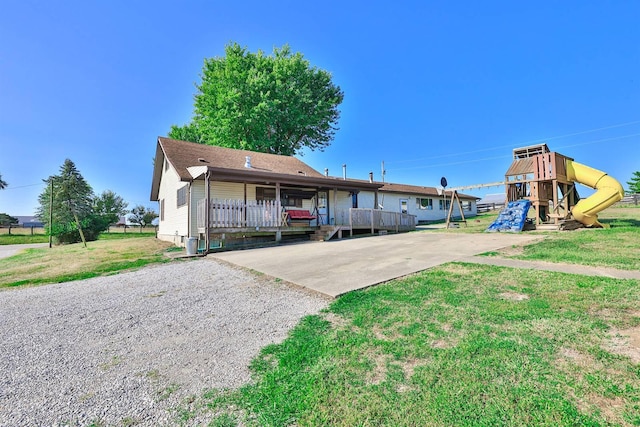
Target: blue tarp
512,218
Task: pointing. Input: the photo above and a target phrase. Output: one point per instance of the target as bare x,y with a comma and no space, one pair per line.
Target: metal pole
50,212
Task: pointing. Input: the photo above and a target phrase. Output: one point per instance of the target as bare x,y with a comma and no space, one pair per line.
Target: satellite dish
443,182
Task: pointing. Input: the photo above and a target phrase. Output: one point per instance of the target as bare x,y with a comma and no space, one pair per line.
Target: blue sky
432,88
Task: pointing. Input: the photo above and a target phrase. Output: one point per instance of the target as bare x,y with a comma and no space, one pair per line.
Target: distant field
24,231
27,231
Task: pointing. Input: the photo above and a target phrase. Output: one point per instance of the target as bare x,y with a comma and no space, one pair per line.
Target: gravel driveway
128,349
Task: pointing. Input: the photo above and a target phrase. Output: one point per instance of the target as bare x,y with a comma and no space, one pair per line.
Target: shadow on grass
620,222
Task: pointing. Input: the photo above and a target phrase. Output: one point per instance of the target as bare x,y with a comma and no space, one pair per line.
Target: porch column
207,219
335,203
279,218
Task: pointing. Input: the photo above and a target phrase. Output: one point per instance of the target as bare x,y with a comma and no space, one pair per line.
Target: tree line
72,212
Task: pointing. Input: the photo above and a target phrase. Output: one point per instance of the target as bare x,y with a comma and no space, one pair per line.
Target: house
29,222
427,204
225,197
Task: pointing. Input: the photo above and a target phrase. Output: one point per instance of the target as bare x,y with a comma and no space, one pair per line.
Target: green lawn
458,345
462,345
617,246
111,253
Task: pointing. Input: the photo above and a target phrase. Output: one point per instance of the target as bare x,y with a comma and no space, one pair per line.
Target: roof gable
182,155
189,160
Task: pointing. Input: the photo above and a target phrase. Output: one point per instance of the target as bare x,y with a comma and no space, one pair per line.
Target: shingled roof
230,162
419,190
182,154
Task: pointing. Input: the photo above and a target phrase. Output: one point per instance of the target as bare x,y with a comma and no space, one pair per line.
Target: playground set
545,181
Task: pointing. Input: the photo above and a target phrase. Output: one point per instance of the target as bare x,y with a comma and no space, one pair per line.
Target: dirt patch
610,408
379,372
457,269
511,251
513,296
625,342
337,321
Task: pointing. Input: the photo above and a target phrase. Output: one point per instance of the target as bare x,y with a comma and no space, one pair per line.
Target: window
265,193
292,201
166,165
424,204
354,200
182,196
466,205
444,204
162,210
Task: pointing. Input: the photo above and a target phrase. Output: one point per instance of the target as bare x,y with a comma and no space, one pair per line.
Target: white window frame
421,207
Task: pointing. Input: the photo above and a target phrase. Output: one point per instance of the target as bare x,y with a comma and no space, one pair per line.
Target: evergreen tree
73,214
634,183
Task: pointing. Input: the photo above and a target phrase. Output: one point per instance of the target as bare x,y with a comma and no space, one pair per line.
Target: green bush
92,226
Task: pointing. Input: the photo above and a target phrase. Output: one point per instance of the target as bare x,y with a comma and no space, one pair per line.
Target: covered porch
256,206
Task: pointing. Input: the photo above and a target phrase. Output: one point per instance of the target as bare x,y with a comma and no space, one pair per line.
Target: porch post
372,221
279,216
244,206
335,203
207,221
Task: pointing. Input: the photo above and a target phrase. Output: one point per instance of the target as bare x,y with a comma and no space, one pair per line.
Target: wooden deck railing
238,214
257,213
376,219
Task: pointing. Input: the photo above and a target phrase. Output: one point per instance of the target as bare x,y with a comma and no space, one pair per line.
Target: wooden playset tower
540,176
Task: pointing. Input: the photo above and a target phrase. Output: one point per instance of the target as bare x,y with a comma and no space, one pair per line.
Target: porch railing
257,213
239,214
377,219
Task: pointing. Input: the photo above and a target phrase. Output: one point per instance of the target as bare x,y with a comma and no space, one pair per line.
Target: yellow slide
608,192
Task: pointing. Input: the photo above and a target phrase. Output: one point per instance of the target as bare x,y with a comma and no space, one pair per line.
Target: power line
23,186
518,144
462,162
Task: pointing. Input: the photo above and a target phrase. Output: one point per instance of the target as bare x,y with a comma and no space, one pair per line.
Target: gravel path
130,348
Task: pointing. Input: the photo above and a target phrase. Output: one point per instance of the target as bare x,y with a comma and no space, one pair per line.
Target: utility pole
50,212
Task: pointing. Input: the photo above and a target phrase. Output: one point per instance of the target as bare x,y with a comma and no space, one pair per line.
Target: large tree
3,184
142,216
73,214
110,206
634,183
276,104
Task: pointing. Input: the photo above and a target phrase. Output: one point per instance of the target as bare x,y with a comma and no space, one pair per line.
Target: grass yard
462,345
616,246
74,262
458,345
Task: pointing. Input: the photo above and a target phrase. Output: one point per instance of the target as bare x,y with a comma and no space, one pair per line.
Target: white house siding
391,202
342,207
172,225
230,191
367,200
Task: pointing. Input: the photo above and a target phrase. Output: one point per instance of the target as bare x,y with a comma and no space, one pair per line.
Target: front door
404,206
323,207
